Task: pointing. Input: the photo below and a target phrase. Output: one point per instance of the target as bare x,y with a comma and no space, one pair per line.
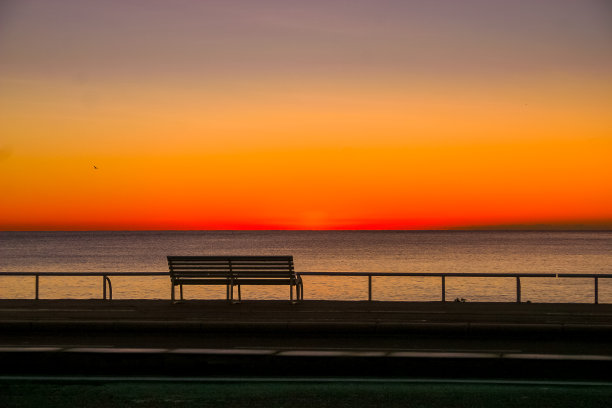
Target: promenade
276,338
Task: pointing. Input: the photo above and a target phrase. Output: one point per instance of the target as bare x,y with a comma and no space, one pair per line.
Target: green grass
299,394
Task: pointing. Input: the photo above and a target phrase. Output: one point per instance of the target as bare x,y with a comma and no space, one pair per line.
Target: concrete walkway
306,315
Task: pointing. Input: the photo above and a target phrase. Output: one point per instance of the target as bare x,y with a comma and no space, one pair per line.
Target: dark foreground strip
240,392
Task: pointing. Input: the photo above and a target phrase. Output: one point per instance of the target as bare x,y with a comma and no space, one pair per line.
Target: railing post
518,289
596,290
36,296
443,288
369,288
106,280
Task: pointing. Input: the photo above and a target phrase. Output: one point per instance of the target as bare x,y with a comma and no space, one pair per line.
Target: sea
319,251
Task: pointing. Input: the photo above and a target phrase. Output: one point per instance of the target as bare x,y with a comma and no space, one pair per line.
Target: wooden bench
234,271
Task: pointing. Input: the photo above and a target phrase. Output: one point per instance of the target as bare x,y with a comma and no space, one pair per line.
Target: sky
320,114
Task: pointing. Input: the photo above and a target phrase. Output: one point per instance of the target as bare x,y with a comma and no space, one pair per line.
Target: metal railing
108,289
444,275
105,278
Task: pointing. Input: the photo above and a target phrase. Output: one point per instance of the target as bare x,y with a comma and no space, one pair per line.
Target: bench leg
232,294
172,292
181,292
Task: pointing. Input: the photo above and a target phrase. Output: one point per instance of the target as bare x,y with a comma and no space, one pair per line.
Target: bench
234,271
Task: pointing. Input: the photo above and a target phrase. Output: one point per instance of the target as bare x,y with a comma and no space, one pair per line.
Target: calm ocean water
380,251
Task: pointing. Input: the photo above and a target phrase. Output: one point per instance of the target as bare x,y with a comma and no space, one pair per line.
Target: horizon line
480,229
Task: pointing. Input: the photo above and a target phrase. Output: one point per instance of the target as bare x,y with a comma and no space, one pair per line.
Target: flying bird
95,167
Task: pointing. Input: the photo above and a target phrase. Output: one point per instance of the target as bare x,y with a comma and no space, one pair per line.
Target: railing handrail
466,274
84,273
309,273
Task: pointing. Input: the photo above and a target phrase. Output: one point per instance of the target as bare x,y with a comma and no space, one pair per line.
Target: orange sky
295,115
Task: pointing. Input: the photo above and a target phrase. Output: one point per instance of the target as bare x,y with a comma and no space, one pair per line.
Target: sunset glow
304,115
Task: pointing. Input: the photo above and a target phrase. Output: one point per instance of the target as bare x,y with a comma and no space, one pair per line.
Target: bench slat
231,257
200,281
247,281
235,267
195,275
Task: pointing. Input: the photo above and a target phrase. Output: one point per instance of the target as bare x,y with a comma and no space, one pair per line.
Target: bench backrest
231,266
